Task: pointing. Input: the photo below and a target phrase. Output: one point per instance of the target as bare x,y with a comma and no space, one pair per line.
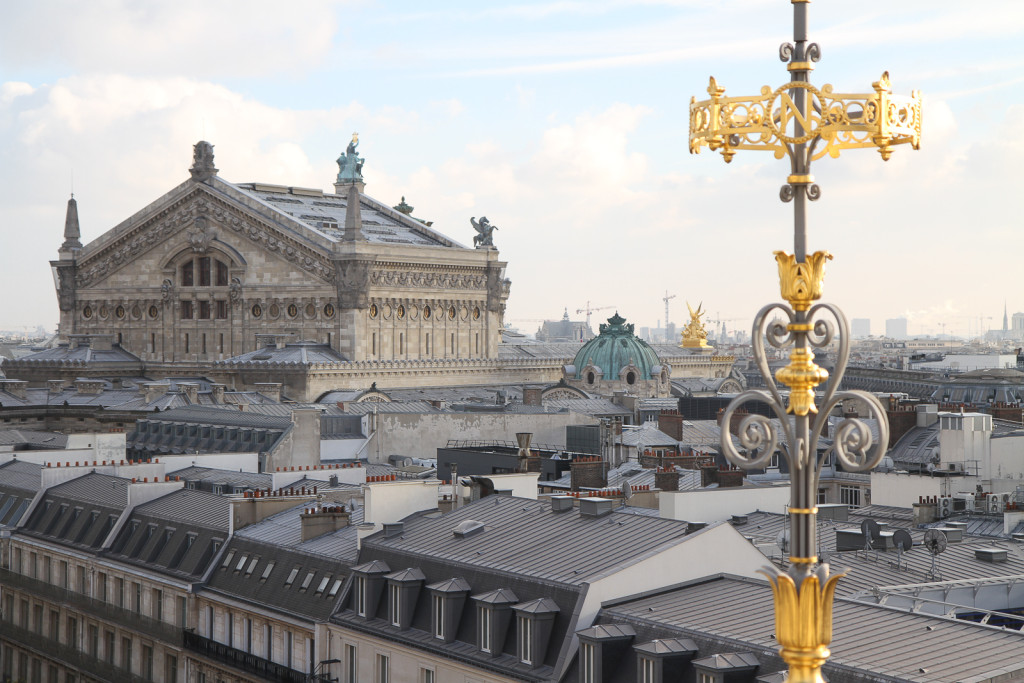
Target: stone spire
353,217
72,231
1006,318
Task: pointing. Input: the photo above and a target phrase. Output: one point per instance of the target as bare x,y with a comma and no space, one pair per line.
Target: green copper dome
617,347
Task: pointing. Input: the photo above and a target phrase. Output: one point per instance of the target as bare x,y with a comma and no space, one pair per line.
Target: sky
565,123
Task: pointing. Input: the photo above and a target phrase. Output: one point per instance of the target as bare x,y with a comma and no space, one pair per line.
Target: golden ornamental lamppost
802,122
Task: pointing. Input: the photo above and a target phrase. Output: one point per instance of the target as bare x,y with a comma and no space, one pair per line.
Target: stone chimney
190,391
271,390
531,396
55,386
14,387
89,387
217,392
323,520
154,390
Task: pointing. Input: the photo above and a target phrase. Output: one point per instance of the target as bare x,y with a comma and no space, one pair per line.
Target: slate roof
81,511
726,614
526,538
323,214
178,534
297,353
19,482
81,354
26,439
647,434
211,476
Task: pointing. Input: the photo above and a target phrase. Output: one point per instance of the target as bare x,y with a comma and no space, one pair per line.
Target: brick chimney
323,520
666,479
588,472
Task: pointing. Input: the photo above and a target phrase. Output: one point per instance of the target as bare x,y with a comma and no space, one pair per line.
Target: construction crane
666,299
590,309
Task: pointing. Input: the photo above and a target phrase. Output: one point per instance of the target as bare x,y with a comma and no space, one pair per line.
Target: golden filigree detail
802,283
772,121
801,376
803,621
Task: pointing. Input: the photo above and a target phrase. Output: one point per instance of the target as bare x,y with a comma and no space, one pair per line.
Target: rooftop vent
596,507
468,528
561,503
992,554
393,529
738,520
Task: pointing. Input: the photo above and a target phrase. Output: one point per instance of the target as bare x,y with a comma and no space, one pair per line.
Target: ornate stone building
198,275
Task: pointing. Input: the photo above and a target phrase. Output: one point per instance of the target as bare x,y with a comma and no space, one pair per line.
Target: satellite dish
627,490
871,531
903,542
782,540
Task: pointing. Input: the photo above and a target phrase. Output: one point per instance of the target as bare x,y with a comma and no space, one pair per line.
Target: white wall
392,501
419,435
901,489
240,462
522,485
718,505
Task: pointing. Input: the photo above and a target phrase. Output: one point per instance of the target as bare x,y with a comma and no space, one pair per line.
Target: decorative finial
72,231
202,162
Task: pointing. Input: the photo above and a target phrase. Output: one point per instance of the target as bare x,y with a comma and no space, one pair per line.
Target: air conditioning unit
995,504
945,506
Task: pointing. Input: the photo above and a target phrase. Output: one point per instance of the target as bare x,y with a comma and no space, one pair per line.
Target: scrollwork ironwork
813,192
785,52
814,52
786,193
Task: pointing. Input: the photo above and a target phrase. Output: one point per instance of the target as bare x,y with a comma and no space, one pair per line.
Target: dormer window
524,628
602,647
447,600
664,660
533,629
493,617
403,591
725,667
367,586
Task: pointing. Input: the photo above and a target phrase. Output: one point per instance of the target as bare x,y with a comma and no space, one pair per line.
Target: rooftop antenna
872,532
903,542
935,542
627,492
782,540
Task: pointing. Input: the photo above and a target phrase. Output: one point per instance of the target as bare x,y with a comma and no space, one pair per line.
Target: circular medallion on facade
400,312
426,312
328,310
154,312
119,312
293,310
104,312
385,311
451,313
373,310
87,312
136,312
310,311
257,310
463,312
274,310
476,313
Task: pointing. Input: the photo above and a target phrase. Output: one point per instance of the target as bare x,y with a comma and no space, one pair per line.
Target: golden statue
694,334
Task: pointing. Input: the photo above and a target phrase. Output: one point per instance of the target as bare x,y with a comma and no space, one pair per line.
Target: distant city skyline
564,123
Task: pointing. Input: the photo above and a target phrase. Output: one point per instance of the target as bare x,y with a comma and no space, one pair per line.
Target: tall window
438,614
646,670
427,676
849,495
587,669
395,604
484,620
383,669
525,640
204,271
350,664
359,595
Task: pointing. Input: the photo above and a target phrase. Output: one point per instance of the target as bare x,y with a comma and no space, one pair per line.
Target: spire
353,217
1006,318
72,232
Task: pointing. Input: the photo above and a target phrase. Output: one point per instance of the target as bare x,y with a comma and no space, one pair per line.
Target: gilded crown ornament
804,123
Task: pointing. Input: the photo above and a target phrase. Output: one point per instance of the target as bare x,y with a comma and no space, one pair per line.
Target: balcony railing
90,607
91,668
242,660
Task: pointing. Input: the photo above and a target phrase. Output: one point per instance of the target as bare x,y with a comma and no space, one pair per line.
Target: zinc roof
526,538
916,647
18,474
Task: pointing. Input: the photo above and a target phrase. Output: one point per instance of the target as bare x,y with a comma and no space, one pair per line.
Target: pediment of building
200,216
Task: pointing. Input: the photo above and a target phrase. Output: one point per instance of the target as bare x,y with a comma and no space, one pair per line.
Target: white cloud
186,36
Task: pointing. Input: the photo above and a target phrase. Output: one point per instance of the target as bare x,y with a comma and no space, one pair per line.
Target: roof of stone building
129,394
527,538
230,478
725,614
81,511
27,439
646,434
615,348
80,354
179,533
19,482
294,353
323,213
